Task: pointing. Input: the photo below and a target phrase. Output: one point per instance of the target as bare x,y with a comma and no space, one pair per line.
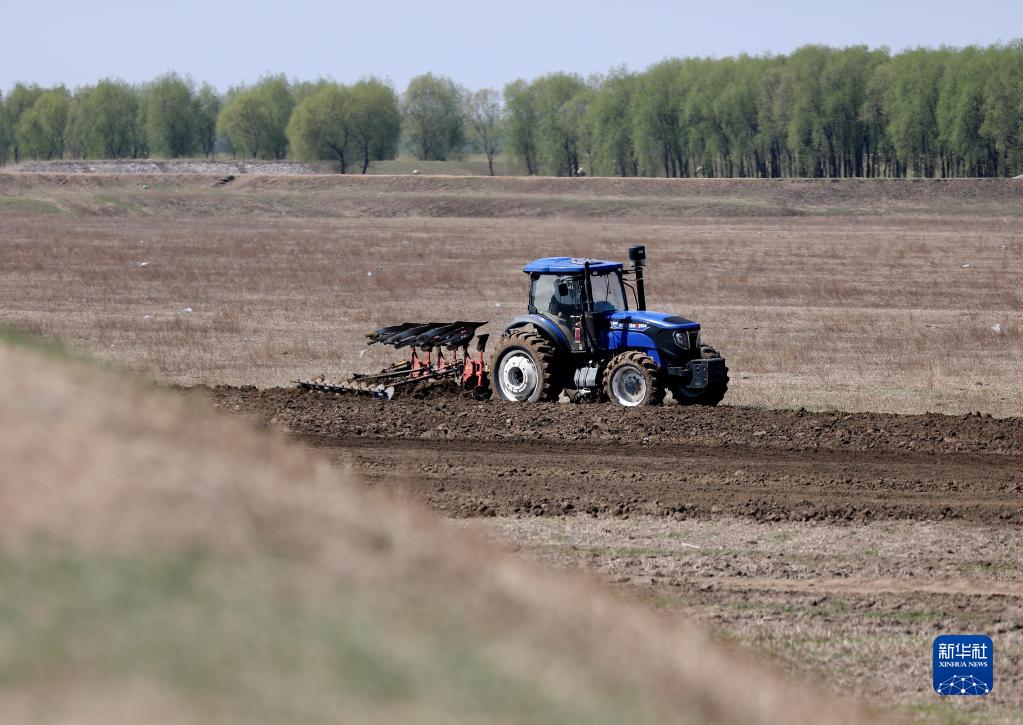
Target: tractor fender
623,340
544,326
652,352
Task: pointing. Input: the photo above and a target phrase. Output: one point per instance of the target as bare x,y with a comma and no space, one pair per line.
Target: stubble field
818,535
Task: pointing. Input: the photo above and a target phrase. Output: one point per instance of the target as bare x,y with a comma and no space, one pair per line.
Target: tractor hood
660,320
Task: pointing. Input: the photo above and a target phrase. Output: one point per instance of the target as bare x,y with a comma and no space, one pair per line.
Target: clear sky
478,44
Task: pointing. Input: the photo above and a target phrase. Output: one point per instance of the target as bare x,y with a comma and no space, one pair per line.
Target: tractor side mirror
562,289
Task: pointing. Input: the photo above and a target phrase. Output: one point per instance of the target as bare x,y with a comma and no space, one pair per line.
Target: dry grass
861,301
830,601
161,564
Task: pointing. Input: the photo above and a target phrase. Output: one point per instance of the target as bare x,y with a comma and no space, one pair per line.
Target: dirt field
830,511
768,465
822,538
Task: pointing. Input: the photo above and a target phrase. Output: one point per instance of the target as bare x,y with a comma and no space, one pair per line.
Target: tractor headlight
682,340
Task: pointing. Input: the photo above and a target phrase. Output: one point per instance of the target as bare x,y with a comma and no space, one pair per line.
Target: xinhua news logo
964,664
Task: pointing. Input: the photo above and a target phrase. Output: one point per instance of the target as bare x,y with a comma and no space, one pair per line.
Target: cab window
558,296
608,294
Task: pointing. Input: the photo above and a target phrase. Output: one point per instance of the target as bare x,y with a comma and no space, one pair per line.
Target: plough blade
451,335
428,364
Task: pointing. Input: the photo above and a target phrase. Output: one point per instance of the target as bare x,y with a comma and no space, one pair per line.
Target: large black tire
711,395
632,379
524,368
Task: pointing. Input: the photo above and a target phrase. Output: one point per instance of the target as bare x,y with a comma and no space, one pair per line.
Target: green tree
254,120
75,133
772,154
735,113
845,82
960,115
242,121
21,98
576,117
658,119
805,135
171,123
40,130
432,117
376,121
207,108
5,133
879,154
911,103
521,125
608,119
560,100
1002,127
483,115
303,89
705,146
104,121
322,128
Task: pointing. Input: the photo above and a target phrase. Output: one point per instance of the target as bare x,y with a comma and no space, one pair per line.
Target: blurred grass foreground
161,564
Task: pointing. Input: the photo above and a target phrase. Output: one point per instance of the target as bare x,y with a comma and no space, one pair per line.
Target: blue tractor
580,337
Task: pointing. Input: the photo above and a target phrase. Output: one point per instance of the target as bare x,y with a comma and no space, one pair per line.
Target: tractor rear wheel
524,368
632,379
711,395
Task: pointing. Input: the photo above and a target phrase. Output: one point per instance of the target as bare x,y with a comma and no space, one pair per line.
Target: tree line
817,112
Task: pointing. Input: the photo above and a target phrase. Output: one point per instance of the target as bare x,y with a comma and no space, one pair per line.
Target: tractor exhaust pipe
637,255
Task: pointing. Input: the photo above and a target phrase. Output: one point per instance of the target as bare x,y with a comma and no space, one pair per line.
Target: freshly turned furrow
471,458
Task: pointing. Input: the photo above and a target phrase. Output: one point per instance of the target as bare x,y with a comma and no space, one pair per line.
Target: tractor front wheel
524,369
632,379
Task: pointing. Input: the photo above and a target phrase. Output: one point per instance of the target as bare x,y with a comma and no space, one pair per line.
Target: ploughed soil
468,457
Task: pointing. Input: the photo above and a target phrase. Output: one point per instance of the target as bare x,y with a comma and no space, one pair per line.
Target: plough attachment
427,365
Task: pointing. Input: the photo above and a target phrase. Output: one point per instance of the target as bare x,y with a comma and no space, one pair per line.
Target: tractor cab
558,290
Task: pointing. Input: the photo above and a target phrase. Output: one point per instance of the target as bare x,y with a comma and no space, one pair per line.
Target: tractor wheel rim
519,376
629,387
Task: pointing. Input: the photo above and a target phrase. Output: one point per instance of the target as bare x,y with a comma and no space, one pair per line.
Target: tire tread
650,370
544,353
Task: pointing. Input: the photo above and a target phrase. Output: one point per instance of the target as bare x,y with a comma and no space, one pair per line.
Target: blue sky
478,44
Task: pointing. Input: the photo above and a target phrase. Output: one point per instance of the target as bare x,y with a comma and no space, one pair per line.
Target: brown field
819,536
823,295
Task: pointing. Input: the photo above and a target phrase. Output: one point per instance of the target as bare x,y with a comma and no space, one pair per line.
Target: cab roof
570,265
